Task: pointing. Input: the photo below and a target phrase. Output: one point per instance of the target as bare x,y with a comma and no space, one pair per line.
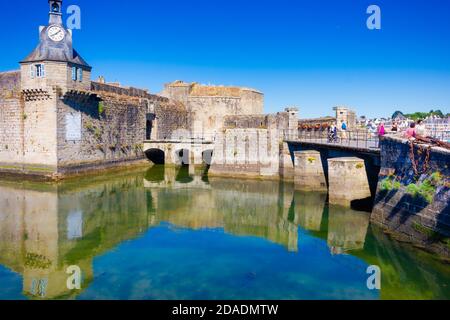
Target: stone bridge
369,154
179,152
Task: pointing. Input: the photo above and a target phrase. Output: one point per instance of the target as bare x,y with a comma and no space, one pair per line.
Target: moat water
170,233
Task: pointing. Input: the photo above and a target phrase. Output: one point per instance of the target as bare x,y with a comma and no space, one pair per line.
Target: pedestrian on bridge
381,130
411,132
344,130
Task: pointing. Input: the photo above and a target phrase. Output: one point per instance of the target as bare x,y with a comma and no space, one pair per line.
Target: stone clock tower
55,63
53,71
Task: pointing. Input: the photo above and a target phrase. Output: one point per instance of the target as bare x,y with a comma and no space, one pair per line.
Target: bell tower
55,12
49,74
54,62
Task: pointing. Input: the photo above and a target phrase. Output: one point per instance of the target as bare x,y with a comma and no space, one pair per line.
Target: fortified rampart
209,105
413,198
252,145
54,132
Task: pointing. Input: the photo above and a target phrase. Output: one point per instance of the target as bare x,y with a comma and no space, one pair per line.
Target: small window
74,73
38,70
32,73
77,74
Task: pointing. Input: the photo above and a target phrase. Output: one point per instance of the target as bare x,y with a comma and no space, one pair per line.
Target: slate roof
44,53
48,50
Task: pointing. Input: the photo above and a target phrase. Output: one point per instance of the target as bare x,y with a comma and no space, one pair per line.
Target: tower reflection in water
45,228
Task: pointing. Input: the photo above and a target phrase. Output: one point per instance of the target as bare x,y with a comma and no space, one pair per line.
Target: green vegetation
389,184
431,234
420,115
427,189
101,107
425,230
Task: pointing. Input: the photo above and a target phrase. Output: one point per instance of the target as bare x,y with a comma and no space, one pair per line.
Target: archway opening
157,156
207,157
182,157
148,130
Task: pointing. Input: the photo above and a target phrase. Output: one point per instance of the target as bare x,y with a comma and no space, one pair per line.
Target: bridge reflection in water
46,228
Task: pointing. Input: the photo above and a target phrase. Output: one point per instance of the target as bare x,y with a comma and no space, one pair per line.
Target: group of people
333,132
415,129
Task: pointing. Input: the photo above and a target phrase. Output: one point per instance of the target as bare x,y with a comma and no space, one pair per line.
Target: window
37,70
77,74
74,73
40,71
80,74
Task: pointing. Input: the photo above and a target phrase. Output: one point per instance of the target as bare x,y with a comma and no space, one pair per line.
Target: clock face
56,33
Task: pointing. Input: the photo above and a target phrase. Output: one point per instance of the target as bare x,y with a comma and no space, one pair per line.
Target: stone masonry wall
279,121
113,125
112,129
11,121
56,74
10,85
11,126
209,105
246,152
171,117
39,133
208,112
414,205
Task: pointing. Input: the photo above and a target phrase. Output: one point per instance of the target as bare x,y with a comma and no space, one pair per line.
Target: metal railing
348,138
356,139
443,135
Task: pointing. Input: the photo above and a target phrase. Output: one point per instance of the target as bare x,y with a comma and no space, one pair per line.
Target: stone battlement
130,91
200,90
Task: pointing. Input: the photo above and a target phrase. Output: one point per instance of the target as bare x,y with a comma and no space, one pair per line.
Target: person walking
344,130
381,130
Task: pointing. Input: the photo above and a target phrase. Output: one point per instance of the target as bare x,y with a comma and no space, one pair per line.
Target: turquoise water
171,233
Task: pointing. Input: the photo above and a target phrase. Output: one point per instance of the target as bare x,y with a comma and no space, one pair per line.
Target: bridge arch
157,156
207,156
182,157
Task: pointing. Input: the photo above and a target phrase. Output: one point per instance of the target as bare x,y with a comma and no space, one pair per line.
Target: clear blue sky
314,54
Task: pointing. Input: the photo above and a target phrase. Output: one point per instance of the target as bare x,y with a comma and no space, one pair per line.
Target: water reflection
45,228
309,209
347,229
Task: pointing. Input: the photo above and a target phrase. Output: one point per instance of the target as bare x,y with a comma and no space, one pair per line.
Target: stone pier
347,181
309,173
287,171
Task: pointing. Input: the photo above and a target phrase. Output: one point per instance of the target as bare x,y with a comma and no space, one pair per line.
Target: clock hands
55,33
